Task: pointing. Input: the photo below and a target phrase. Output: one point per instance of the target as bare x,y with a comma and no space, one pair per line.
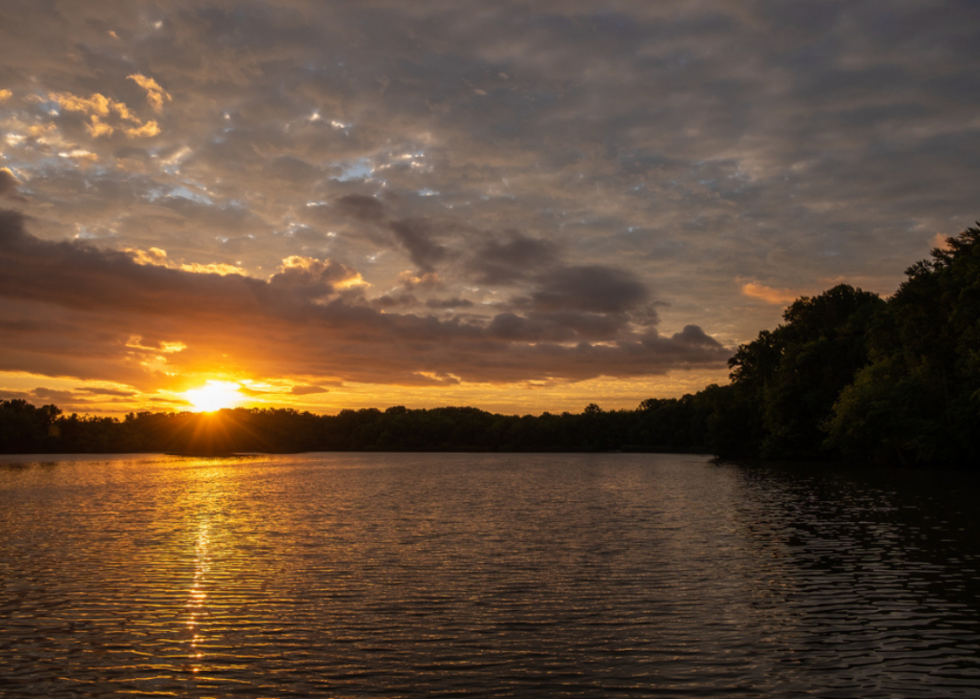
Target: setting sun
215,395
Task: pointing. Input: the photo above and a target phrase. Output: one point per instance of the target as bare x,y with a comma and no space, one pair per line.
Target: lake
556,575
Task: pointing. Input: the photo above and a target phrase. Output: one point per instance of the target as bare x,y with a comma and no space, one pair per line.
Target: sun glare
215,395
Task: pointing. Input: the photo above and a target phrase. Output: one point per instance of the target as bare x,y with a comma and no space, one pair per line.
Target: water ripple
484,576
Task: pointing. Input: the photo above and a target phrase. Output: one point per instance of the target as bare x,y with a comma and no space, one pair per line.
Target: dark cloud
50,395
512,327
513,259
306,390
448,303
361,207
394,301
291,169
311,278
426,282
416,236
8,184
75,275
695,336
591,288
93,302
106,392
583,325
564,326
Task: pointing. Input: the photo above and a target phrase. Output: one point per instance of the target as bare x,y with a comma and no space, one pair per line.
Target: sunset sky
519,206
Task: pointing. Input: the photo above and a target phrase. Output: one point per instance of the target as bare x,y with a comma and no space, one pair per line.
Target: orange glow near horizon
214,395
228,388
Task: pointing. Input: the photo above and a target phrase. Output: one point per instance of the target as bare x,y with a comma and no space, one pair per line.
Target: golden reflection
198,596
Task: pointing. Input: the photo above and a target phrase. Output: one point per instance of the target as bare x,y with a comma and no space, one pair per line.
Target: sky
518,206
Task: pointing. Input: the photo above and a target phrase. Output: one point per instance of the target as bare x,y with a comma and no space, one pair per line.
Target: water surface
484,575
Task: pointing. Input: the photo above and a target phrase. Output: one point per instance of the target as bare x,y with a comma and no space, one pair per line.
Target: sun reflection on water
198,596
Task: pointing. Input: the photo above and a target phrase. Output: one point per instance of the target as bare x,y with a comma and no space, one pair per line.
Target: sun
215,395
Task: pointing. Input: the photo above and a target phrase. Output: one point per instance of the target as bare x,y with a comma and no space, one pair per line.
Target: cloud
561,327
361,207
315,277
448,303
394,301
428,281
98,108
941,241
50,395
306,390
155,94
159,258
779,297
679,146
86,304
8,183
592,288
695,336
106,392
415,235
511,260
96,105
150,128
291,169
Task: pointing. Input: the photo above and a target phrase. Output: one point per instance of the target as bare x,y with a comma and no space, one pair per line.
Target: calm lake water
484,575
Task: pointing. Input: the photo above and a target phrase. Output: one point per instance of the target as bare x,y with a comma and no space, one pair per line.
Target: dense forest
847,375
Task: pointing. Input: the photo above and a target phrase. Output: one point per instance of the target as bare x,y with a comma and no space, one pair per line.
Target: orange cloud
297,269
941,241
98,104
428,280
158,258
96,127
5,95
155,94
79,154
98,107
41,130
153,256
221,268
136,342
779,297
150,128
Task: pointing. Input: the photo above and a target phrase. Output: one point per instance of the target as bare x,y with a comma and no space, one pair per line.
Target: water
484,575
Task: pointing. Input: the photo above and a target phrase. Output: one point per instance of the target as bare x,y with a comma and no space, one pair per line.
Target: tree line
660,425
846,375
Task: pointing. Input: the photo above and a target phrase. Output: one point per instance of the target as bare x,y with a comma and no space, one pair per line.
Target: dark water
485,575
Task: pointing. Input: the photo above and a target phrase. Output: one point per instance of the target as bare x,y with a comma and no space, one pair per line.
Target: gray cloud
293,170
516,258
695,336
362,207
416,236
590,288
8,183
311,278
448,303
